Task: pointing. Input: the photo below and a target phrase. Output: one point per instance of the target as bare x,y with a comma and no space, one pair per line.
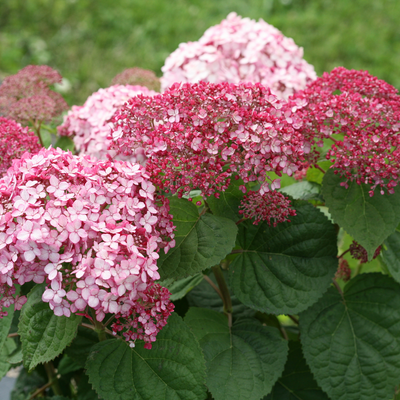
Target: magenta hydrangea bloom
241,50
91,230
88,124
15,141
366,111
197,136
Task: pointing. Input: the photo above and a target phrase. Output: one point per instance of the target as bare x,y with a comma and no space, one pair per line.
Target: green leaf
7,348
228,203
370,220
5,325
283,270
201,241
82,344
315,174
352,343
303,191
65,143
59,398
15,357
85,390
297,382
205,296
243,363
181,287
67,365
391,256
43,335
173,369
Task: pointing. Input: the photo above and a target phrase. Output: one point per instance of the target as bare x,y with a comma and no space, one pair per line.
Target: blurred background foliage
90,41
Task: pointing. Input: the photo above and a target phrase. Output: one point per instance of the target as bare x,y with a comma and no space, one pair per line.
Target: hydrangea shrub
253,253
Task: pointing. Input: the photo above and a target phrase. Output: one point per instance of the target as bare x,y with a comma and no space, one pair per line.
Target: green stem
99,328
223,287
53,380
358,269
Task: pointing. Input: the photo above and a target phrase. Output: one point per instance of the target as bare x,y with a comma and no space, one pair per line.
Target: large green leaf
227,205
201,241
242,363
391,256
43,335
369,220
283,270
7,348
179,288
297,382
352,342
5,324
173,369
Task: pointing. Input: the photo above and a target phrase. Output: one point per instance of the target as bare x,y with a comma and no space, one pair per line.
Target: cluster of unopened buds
89,124
92,231
241,50
218,130
361,115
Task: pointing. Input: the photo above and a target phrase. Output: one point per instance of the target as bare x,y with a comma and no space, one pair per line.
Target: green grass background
90,41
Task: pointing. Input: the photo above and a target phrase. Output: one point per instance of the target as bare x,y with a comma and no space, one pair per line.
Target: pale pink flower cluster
241,50
88,124
91,230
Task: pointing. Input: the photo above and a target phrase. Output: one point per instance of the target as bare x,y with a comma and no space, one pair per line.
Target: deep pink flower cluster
138,76
241,50
272,207
89,126
359,253
91,230
365,112
15,141
196,136
27,98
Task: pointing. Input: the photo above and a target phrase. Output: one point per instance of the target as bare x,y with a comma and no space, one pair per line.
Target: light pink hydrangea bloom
89,123
91,230
241,50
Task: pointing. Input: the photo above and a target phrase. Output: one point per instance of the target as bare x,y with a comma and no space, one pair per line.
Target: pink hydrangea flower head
365,111
138,77
195,136
91,230
27,97
15,141
88,124
240,50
